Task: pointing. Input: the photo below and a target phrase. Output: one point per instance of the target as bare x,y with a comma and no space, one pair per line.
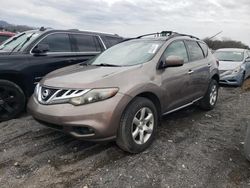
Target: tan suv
122,93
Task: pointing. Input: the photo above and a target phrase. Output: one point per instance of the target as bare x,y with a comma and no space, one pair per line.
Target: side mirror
173,61
248,59
40,49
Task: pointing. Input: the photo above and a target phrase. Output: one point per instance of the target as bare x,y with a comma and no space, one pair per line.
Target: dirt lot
193,149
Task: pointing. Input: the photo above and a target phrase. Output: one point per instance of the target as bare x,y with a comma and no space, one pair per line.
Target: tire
242,79
12,100
207,102
142,126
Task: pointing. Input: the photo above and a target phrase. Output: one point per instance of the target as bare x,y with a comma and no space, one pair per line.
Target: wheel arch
216,77
154,98
15,78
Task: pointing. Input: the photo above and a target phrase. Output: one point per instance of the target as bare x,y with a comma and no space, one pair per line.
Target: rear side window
58,42
204,48
86,43
176,49
111,41
194,50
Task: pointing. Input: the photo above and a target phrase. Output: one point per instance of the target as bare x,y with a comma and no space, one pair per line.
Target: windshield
19,42
229,56
128,53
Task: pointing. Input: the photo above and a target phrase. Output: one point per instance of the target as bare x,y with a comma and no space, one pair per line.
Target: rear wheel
138,126
242,79
12,100
209,100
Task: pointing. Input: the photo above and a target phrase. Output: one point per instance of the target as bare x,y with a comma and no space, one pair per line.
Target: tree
226,43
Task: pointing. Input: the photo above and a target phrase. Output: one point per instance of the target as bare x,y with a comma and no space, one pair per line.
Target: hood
229,65
79,76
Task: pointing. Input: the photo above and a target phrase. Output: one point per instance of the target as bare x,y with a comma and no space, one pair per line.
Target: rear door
199,68
60,54
86,46
176,80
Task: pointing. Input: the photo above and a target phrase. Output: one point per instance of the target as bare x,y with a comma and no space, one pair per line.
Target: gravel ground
193,149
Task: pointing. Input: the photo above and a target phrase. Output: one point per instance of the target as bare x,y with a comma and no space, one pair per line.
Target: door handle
190,72
209,65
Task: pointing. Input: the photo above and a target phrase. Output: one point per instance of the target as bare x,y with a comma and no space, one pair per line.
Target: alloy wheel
142,125
213,95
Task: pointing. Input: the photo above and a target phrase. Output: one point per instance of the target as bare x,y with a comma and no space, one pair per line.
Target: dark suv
27,57
127,89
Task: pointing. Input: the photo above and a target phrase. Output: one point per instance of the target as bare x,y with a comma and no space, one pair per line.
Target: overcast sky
134,17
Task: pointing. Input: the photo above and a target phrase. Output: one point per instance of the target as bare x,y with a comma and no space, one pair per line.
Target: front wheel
12,100
138,126
209,100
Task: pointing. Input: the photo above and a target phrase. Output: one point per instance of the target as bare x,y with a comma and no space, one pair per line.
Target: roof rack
167,34
73,30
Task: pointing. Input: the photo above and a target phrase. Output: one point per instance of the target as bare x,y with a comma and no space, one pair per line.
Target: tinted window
177,49
204,48
195,51
87,43
57,42
111,41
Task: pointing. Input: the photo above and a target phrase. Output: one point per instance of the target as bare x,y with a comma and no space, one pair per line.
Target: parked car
123,93
4,35
234,65
27,57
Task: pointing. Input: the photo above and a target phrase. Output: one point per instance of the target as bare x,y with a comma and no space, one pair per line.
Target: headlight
237,70
94,95
232,72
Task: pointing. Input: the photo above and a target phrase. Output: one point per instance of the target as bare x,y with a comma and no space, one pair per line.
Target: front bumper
233,80
101,119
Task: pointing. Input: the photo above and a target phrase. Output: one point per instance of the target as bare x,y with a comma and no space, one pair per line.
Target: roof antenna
215,35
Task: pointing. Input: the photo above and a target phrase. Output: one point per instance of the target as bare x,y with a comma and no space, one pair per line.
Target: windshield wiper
27,39
23,43
107,65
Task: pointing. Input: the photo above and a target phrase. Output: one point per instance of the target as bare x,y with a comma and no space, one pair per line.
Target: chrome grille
48,95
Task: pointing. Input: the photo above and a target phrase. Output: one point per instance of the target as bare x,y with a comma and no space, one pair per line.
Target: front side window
86,43
194,50
128,53
204,48
58,42
177,49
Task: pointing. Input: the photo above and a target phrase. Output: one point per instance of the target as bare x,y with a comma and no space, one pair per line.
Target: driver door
176,80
